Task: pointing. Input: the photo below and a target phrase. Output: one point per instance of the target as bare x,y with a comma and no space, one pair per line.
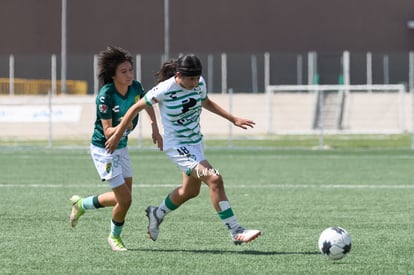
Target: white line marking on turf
242,186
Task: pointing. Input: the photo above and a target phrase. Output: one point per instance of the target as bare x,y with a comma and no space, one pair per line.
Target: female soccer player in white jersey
118,93
181,94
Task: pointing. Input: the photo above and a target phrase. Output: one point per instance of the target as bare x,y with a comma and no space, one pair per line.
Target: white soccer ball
335,243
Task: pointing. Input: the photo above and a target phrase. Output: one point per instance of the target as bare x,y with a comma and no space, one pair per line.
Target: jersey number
183,151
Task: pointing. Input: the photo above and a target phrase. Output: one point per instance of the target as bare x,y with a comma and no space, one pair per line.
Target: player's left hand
111,143
244,123
157,139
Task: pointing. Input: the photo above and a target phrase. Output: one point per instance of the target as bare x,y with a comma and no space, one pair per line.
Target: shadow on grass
243,252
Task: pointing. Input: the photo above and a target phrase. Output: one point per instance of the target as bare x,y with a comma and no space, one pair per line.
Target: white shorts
114,167
186,157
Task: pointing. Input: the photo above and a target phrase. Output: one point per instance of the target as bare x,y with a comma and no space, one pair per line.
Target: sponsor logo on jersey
188,103
115,109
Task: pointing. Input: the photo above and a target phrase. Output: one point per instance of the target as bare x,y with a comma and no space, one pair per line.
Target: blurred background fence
318,110
34,107
244,73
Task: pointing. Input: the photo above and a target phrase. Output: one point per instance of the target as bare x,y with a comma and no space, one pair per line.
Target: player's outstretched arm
238,121
156,136
113,141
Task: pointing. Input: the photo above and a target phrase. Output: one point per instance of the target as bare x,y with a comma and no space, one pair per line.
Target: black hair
187,65
109,60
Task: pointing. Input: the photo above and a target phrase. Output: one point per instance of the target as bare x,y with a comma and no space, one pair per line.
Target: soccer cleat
242,235
77,210
153,222
116,243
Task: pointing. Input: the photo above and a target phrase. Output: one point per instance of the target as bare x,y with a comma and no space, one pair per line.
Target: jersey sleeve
155,95
203,87
104,103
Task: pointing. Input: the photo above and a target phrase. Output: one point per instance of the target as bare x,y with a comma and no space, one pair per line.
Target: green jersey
112,105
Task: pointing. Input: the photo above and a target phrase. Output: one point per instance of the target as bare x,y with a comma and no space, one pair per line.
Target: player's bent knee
125,203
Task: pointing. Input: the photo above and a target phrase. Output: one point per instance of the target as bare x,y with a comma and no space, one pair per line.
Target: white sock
162,210
227,216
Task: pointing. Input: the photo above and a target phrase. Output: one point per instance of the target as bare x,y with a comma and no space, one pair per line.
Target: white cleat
153,222
244,235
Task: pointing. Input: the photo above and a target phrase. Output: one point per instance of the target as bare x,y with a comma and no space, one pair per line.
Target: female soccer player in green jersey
118,93
181,94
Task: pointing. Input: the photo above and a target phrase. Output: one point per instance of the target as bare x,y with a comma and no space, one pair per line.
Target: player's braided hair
109,60
187,65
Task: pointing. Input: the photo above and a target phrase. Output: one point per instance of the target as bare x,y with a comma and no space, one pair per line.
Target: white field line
276,155
242,186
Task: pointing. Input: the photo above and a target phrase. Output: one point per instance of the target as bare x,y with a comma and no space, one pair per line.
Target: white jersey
180,111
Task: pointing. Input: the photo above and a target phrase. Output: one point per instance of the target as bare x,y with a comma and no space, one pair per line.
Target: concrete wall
285,113
33,26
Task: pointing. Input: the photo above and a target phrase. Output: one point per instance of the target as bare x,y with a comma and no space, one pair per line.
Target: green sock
227,216
165,207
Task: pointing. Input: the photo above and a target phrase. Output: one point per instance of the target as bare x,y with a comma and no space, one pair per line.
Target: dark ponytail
168,70
187,65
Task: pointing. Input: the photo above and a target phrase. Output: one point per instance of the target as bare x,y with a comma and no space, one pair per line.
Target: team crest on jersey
198,89
103,108
108,167
137,98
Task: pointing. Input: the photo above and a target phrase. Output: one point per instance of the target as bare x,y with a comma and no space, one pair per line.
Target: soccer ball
335,243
